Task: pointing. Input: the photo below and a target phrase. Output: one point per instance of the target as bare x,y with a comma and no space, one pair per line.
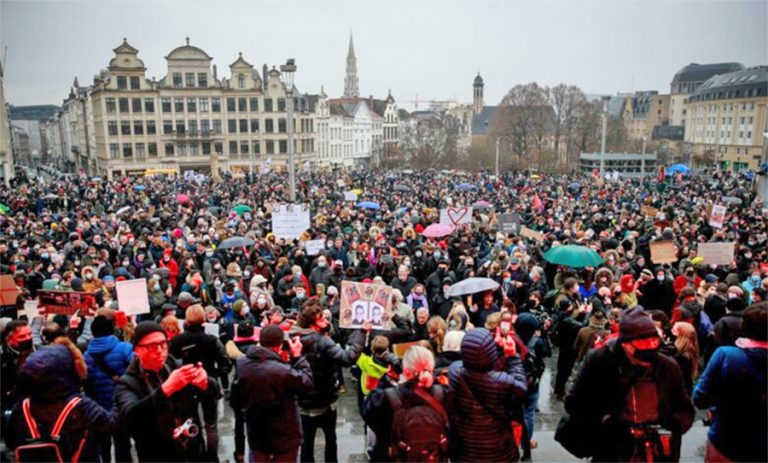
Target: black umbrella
236,242
401,188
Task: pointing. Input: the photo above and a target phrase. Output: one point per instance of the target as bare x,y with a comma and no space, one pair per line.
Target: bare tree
523,119
565,101
431,141
587,126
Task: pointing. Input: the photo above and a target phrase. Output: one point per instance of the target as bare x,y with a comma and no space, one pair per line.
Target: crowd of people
638,344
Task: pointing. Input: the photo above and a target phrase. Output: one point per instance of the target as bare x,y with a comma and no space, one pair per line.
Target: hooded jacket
484,401
116,355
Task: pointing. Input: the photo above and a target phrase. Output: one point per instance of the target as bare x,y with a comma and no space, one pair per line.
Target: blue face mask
507,280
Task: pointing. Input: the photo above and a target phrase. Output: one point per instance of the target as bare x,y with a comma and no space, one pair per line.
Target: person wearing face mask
751,283
321,274
658,293
622,391
299,297
91,283
17,345
434,281
173,267
260,296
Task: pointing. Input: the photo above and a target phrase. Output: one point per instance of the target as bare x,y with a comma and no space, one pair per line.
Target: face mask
212,319
748,255
321,264
660,277
418,253
245,310
209,253
299,295
261,302
733,296
297,275
167,258
407,263
507,280
646,355
437,255
44,255
89,276
24,346
156,287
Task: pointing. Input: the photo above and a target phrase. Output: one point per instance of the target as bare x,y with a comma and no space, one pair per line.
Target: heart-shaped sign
457,215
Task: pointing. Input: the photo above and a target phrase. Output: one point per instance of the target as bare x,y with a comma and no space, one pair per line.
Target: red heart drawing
456,214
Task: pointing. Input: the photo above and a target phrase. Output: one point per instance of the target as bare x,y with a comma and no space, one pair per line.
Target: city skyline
392,40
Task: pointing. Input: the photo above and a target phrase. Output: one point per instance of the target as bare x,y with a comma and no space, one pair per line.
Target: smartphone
505,327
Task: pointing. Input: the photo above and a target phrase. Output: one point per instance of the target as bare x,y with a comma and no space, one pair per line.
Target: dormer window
122,82
177,79
202,79
135,82
240,81
190,79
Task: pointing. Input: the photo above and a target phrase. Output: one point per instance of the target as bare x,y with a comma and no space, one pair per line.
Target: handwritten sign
30,309
211,328
350,196
66,302
717,253
717,217
132,296
289,221
663,252
361,302
509,223
526,232
313,247
649,211
456,216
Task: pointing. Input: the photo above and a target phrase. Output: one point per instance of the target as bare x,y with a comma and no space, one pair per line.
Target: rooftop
695,72
746,83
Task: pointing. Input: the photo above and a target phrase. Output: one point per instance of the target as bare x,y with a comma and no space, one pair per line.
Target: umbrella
732,200
678,169
242,209
572,255
437,230
482,205
97,179
51,196
357,191
368,205
408,171
139,187
471,286
235,242
464,186
214,210
182,198
401,188
574,186
535,177
4,209
123,210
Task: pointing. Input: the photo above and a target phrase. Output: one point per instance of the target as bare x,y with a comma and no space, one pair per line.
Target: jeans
122,442
309,425
530,412
289,456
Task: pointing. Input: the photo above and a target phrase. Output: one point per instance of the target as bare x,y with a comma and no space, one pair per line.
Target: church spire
351,89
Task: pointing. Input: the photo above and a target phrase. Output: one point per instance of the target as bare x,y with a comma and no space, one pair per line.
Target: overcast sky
432,49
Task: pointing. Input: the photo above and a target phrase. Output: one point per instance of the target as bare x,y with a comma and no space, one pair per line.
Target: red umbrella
182,198
437,230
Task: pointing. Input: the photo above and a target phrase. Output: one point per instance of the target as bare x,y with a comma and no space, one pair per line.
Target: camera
186,430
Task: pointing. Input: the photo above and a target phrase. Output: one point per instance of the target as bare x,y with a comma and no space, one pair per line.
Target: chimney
215,72
264,71
370,102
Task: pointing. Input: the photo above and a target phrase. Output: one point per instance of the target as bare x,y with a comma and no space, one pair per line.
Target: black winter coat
484,401
267,389
728,329
195,345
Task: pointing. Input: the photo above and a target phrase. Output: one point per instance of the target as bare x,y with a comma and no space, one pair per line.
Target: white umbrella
471,286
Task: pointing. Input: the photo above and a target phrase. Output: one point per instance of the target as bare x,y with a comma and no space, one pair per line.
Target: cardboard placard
361,302
509,223
649,211
30,309
400,348
8,290
717,217
663,252
350,196
211,328
289,221
456,216
313,247
526,232
66,302
717,253
132,296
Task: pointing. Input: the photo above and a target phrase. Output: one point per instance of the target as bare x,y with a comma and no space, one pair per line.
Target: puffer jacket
268,389
116,355
49,379
485,400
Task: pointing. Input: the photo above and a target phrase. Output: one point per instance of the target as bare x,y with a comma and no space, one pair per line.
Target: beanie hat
144,329
102,326
271,336
237,306
635,323
108,278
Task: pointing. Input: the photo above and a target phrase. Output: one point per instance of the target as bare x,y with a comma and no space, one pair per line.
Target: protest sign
313,247
211,328
456,216
350,196
30,309
509,223
717,217
526,232
289,221
361,302
66,302
716,253
649,211
400,348
663,252
132,296
8,290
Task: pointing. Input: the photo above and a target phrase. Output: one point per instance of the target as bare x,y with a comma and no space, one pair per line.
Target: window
176,80
192,126
180,128
751,120
281,125
218,147
231,105
269,125
240,81
167,127
232,126
202,79
151,129
243,125
254,126
112,127
189,79
203,105
206,147
270,147
280,104
125,127
178,104
283,146
127,150
216,104
114,150
268,105
136,105
241,105
166,102
217,126
205,126
140,153
254,104
111,105
152,149
244,147
149,105
193,149
135,83
169,149
182,148
122,82
233,147
138,128
123,102
256,147
749,134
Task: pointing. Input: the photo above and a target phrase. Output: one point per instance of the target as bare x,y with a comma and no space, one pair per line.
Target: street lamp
289,70
602,142
497,157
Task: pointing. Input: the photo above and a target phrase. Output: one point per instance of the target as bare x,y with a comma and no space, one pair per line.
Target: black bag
45,448
572,436
419,432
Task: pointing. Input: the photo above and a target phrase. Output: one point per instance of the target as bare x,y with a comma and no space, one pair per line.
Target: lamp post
497,157
602,142
289,70
642,162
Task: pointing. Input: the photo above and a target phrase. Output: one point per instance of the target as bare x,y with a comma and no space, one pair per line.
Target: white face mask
660,277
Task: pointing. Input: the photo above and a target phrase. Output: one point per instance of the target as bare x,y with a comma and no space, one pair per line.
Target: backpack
45,448
533,364
419,432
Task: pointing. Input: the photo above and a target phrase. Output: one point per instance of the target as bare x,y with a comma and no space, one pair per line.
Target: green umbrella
573,256
4,209
241,209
